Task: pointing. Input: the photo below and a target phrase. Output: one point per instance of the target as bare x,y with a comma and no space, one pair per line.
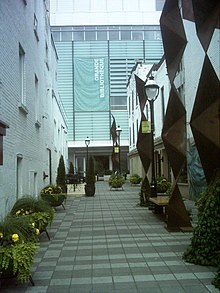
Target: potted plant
39,212
90,178
54,195
18,245
135,179
116,181
163,185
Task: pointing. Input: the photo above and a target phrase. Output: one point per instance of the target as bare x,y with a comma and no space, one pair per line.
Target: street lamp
87,142
118,132
152,92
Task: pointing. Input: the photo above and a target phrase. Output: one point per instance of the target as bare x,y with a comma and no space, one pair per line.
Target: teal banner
91,89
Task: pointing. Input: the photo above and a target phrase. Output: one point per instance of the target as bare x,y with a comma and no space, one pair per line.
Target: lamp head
87,141
151,89
118,131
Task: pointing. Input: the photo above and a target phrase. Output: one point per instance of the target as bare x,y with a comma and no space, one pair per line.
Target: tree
61,174
71,170
90,178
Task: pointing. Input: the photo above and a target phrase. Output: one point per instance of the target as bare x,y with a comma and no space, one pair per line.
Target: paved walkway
108,243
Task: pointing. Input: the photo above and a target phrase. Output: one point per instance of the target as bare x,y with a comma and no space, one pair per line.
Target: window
66,36
47,61
102,35
119,103
37,104
22,75
56,36
137,35
78,36
125,35
36,27
162,102
114,35
90,36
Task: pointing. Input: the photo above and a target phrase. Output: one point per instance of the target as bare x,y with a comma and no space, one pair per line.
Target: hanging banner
91,89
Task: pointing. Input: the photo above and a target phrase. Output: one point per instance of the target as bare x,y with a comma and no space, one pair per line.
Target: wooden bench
160,202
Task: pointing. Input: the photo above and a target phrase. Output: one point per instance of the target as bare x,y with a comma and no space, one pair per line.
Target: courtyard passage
108,243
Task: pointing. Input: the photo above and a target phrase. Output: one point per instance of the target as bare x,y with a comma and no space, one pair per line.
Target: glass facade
95,63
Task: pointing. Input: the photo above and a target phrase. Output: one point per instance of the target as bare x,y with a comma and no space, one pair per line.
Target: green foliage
135,179
52,189
71,169
16,260
216,281
17,247
38,211
108,172
61,174
116,180
205,243
28,205
90,172
16,230
163,185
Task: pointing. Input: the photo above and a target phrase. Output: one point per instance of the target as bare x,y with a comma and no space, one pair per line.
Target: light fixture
151,89
87,141
118,131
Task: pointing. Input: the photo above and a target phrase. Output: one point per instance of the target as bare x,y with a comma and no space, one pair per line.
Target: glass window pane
137,35
66,36
102,35
90,36
113,35
78,36
125,35
149,35
56,36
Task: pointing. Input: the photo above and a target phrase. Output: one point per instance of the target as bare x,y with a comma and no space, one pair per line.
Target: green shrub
205,243
90,172
61,174
135,179
116,180
18,244
163,185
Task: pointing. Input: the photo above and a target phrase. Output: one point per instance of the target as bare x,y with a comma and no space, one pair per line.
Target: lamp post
87,142
118,131
152,91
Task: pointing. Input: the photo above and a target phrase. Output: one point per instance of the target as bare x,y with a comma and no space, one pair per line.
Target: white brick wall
23,136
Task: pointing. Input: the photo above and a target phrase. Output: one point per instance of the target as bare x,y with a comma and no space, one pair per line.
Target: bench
160,202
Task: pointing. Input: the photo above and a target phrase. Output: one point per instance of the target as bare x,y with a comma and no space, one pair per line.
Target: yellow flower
18,213
37,231
33,225
50,189
1,235
15,237
27,212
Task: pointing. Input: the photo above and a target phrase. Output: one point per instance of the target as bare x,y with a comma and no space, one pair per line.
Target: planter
16,261
54,200
90,189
